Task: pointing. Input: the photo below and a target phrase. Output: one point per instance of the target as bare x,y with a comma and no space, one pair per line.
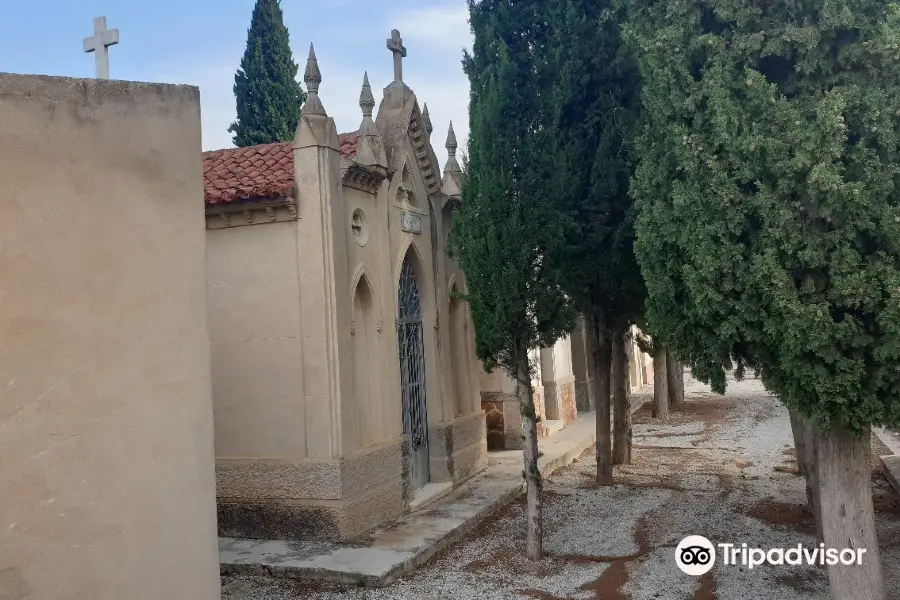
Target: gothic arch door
412,373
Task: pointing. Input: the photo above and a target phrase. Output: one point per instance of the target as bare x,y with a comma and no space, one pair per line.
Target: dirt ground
722,468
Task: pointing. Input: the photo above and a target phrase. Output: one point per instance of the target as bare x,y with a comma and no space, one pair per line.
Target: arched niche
366,356
459,351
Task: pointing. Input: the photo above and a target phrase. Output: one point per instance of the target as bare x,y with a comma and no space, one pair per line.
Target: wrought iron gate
412,374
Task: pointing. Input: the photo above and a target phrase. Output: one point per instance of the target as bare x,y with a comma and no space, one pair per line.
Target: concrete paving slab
890,464
392,551
891,440
303,560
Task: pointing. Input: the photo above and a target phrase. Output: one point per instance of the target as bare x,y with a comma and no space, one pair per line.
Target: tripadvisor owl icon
695,555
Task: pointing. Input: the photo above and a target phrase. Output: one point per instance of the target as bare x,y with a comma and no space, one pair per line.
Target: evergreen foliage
268,95
597,99
507,227
768,226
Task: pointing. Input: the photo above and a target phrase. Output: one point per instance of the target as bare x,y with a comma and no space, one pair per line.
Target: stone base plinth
327,520
458,448
583,401
313,499
551,401
566,400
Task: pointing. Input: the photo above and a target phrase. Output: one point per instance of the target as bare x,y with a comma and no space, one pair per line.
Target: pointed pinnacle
366,100
451,141
426,118
312,76
452,165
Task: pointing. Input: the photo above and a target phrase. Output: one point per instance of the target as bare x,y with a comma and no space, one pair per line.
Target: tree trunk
848,519
621,403
805,446
533,484
675,374
602,355
660,386
799,445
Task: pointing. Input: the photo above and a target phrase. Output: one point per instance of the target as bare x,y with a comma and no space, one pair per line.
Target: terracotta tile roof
263,171
256,172
348,143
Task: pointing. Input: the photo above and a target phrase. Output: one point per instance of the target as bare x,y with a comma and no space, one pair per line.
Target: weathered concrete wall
106,430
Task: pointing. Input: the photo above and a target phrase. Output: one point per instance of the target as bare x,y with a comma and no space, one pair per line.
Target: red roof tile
348,143
256,172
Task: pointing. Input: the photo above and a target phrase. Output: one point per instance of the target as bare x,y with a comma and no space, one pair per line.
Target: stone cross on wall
395,45
99,44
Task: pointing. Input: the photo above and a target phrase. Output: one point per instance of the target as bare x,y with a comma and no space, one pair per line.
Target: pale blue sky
200,42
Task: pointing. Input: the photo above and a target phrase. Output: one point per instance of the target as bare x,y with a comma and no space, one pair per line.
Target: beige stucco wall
369,414
254,325
106,431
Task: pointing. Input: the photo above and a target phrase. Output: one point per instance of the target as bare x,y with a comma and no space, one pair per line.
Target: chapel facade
345,382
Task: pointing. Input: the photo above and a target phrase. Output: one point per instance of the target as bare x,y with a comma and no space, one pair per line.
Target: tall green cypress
506,229
597,103
268,95
768,225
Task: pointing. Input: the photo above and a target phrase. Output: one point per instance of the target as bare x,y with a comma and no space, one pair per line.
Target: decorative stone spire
426,119
369,145
366,99
313,77
315,128
452,165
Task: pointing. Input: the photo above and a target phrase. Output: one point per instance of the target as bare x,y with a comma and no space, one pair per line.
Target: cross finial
99,44
312,77
426,119
366,100
395,45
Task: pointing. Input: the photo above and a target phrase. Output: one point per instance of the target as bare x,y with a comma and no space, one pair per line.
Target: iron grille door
412,374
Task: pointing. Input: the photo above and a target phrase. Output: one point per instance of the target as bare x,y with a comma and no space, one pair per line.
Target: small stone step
554,426
428,493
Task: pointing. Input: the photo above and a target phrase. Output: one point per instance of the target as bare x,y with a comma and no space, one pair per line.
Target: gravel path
710,471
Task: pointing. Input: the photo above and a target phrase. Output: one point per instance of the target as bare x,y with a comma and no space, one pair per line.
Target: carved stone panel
410,223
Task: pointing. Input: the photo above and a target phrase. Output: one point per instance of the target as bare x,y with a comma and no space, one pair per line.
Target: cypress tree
768,226
597,103
268,95
504,233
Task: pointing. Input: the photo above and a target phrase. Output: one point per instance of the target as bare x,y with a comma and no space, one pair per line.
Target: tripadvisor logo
695,555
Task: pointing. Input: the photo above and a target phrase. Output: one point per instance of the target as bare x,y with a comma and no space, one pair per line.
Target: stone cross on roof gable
395,45
99,44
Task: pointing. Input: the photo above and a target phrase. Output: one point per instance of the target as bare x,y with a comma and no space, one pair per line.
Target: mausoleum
345,382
